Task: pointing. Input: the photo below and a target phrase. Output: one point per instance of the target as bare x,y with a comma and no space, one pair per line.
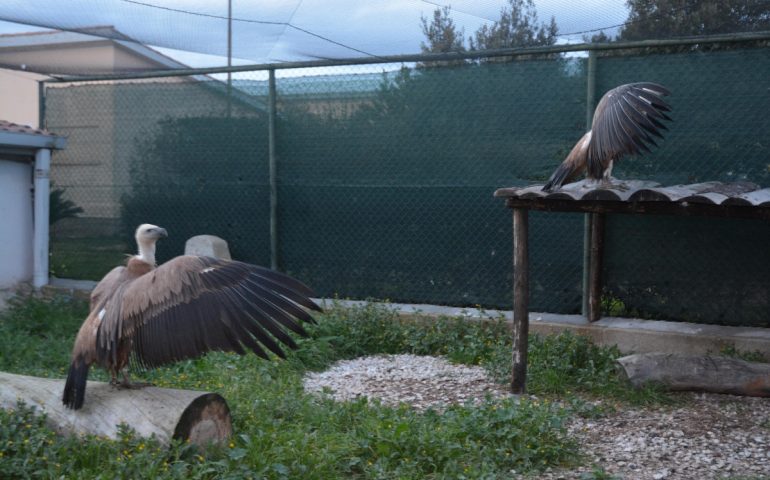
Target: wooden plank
520,300
595,267
585,274
652,208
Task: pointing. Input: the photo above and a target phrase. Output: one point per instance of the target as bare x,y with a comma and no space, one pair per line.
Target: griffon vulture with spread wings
182,309
625,122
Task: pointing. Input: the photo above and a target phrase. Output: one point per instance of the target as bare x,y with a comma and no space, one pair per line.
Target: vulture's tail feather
557,179
75,387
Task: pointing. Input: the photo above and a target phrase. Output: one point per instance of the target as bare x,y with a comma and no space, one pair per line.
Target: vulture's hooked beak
161,233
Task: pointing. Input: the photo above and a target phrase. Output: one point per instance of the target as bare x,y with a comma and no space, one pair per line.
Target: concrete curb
631,335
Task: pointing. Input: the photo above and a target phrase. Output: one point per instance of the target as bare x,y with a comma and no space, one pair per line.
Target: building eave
32,142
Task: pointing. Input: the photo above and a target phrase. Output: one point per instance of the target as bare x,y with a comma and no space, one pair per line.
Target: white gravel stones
420,381
706,436
709,436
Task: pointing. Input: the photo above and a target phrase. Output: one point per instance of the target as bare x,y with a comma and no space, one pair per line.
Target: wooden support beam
649,208
595,267
586,277
520,299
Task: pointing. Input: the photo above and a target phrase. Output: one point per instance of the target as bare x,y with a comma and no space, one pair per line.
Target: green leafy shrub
60,207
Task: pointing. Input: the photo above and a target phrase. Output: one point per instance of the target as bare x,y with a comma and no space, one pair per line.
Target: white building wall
15,222
19,97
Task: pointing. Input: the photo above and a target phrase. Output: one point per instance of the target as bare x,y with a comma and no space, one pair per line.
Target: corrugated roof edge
710,193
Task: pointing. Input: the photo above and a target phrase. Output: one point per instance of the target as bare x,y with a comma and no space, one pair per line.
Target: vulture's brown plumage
182,309
625,122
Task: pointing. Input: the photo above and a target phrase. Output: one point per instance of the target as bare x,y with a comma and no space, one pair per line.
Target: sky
195,31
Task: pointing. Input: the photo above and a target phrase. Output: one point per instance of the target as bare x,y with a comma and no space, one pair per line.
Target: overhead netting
204,34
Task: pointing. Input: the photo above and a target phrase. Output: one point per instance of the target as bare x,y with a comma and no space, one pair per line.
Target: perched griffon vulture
625,121
184,308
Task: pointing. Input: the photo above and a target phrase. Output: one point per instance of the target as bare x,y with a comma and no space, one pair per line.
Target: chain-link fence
385,176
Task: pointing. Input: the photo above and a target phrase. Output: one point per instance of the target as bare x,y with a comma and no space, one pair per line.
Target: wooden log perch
200,417
700,373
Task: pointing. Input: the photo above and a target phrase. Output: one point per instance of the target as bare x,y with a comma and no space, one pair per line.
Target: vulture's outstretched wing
192,305
625,121
106,286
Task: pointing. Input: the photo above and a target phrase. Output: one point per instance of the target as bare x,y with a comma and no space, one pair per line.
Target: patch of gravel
706,436
710,436
420,381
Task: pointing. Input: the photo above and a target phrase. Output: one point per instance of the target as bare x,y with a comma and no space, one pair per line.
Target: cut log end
202,418
700,373
205,421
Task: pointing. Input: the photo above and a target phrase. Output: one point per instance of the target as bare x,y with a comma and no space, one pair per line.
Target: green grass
749,356
36,336
282,432
86,258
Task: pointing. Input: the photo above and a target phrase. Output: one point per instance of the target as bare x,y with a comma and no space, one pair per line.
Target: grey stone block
207,245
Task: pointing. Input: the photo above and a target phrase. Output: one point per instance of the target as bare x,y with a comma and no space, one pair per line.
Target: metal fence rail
377,179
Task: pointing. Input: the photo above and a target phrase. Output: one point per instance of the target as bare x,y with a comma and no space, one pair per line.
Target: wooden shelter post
596,255
520,299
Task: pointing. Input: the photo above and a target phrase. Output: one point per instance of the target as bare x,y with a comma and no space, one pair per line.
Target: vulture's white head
146,236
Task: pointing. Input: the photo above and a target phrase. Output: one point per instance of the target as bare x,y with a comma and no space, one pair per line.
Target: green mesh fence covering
385,179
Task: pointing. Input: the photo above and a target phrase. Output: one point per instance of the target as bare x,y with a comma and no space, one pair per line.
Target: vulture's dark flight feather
182,309
625,122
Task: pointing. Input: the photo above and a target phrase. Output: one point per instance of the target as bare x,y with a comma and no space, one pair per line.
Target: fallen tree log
200,417
700,373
